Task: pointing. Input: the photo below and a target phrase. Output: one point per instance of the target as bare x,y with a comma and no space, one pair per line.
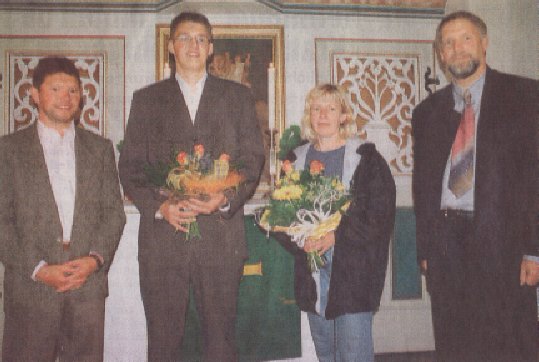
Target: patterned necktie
462,152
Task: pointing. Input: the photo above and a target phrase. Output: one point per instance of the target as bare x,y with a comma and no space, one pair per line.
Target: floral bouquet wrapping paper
305,205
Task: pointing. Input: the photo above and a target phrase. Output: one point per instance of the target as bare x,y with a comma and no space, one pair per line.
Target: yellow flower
290,192
337,185
294,176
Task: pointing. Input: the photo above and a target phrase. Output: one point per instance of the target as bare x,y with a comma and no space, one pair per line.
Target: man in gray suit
191,108
61,218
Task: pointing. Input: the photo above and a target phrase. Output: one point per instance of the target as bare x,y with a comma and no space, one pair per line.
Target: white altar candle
271,97
166,71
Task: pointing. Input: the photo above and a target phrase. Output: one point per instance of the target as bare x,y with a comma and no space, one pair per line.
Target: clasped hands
320,245
180,213
70,275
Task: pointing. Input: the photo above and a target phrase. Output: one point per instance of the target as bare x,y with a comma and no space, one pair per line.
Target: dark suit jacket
506,178
159,124
31,228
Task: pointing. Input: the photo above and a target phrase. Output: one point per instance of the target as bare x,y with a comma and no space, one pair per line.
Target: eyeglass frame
200,39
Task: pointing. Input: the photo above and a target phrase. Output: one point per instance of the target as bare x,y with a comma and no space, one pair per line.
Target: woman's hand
320,245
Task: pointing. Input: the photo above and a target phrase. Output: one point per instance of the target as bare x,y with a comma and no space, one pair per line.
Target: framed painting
100,61
252,55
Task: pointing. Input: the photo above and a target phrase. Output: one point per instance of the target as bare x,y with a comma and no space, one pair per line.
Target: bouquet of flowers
305,205
194,175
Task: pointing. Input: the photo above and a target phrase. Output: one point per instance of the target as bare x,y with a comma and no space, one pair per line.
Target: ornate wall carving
382,91
384,80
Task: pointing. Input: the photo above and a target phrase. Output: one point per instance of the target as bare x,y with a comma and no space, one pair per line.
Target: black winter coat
361,246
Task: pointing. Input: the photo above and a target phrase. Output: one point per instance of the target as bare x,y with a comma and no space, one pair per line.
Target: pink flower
199,150
224,157
287,167
182,158
316,167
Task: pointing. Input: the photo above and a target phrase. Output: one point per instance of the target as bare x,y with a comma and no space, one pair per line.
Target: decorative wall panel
383,81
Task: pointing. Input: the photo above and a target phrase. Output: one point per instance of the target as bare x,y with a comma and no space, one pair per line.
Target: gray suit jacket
159,124
31,228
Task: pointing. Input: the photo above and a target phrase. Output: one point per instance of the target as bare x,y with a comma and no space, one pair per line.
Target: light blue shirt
466,201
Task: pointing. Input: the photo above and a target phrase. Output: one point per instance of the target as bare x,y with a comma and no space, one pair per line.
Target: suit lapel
488,150
175,112
36,169
447,121
84,173
205,121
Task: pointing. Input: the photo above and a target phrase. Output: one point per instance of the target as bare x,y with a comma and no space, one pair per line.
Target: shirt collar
47,134
184,86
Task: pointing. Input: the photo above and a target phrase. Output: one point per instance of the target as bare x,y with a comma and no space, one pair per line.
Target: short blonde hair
346,130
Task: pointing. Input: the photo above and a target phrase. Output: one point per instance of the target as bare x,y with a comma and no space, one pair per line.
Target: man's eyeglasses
186,38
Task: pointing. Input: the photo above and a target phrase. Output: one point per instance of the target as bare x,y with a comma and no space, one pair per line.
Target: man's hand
68,276
178,214
529,272
423,265
207,205
320,245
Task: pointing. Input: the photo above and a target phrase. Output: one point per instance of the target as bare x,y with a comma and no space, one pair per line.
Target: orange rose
287,167
316,167
182,158
224,157
199,150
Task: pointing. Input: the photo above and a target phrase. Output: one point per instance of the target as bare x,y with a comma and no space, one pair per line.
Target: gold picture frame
237,48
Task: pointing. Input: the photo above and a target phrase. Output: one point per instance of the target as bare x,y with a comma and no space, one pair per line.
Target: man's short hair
53,65
472,18
194,18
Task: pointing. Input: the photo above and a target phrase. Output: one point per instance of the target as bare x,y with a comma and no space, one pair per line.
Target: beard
465,70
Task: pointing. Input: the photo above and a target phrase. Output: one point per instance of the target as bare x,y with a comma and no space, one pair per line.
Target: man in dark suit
191,108
475,190
61,216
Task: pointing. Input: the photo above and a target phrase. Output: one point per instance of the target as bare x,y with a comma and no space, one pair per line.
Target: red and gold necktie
462,152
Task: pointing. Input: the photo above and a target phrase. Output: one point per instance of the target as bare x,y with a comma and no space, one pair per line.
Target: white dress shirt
59,154
192,94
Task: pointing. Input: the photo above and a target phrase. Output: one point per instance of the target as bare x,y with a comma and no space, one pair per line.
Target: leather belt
457,214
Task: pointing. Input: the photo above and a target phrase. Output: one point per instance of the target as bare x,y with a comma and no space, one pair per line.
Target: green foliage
283,213
290,139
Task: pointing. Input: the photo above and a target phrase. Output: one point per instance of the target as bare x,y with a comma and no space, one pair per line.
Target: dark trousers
165,295
479,312
70,329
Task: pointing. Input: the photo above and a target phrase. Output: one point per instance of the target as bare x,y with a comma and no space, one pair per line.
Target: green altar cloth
269,325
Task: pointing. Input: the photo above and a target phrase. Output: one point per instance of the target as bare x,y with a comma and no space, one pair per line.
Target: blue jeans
348,338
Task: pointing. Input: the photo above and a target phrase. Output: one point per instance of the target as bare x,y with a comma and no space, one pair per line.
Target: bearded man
475,194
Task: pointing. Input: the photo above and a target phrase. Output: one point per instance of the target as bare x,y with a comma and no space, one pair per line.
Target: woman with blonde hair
342,296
